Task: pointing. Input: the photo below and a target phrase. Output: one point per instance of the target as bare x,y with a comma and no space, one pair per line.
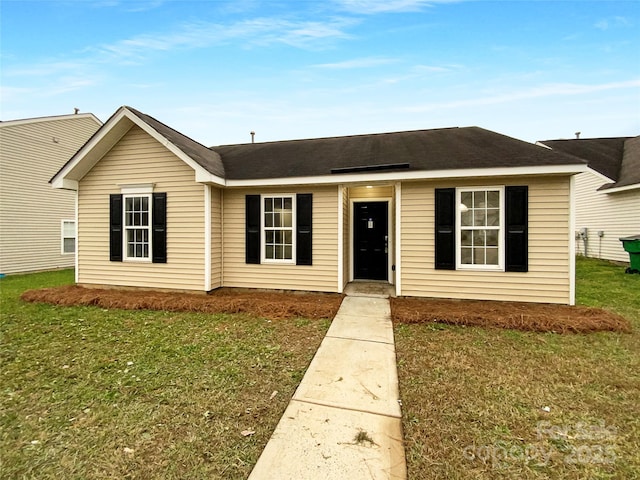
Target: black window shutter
445,229
115,227
304,221
252,232
517,241
159,228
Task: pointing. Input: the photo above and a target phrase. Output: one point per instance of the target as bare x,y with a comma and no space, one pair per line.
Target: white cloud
612,22
547,90
386,6
365,62
257,32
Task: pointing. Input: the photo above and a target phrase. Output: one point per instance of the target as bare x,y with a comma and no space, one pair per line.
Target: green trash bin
632,246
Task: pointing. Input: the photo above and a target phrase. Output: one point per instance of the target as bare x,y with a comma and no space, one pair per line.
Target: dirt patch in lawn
519,316
271,305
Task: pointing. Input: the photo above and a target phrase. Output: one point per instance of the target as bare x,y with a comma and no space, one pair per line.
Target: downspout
76,260
207,237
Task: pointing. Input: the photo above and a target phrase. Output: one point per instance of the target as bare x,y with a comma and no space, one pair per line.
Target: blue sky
215,70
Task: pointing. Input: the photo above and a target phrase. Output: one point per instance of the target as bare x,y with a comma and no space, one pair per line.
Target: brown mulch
277,305
536,317
271,305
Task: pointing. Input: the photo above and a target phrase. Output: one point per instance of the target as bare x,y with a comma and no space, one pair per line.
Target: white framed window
137,227
278,233
480,228
68,242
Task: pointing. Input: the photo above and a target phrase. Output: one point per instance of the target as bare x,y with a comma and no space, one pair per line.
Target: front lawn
87,392
487,403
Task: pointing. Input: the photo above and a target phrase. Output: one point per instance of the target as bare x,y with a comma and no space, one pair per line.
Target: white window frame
501,230
126,228
263,229
63,237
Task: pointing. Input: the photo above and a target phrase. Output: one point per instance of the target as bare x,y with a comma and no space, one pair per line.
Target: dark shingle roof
630,167
202,155
604,155
438,149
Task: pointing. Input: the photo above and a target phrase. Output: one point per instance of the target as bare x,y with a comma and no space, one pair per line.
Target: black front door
370,240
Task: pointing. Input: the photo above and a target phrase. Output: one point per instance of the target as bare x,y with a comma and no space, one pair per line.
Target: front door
370,238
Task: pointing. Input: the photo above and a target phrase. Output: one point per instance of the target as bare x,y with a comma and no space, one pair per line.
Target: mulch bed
271,305
278,305
536,317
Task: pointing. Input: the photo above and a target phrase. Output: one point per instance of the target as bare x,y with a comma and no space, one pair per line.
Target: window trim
500,267
125,228
263,230
63,237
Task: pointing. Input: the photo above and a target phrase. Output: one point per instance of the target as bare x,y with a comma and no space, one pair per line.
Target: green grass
474,399
93,393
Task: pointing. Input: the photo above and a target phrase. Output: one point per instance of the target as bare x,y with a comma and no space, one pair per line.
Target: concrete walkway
344,420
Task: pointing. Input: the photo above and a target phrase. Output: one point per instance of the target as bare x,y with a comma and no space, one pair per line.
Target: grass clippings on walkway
488,403
88,392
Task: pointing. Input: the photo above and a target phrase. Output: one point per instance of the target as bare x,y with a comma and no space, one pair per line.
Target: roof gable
205,162
616,158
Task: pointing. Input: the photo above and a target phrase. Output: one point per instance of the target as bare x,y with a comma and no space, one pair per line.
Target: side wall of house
615,214
321,276
138,158
216,237
31,212
548,277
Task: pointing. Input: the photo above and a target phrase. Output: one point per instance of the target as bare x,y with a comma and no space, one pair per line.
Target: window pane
268,220
128,204
479,199
492,238
69,245
69,229
269,251
478,256
493,218
277,220
145,219
493,199
277,204
279,252
478,238
479,218
465,238
288,253
269,236
288,203
145,250
287,218
145,203
466,198
465,257
492,256
268,205
288,234
466,218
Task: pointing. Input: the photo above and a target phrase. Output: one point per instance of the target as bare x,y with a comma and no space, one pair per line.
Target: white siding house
607,196
37,222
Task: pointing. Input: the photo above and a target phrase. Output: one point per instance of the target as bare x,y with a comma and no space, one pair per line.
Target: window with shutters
137,227
480,228
278,233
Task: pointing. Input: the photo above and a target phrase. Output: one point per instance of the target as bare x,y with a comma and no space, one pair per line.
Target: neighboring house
458,212
37,224
607,195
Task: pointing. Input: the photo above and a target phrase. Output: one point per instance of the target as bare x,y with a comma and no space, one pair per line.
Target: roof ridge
357,135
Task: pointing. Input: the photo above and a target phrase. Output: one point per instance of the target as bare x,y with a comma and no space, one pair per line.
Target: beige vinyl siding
615,214
31,212
346,242
548,277
138,158
321,276
216,237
